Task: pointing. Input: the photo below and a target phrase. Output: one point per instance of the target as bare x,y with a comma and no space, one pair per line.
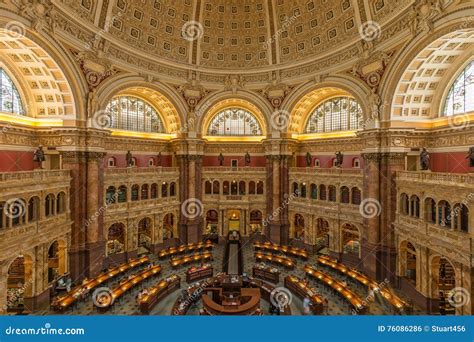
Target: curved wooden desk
196,257
247,308
62,303
396,302
275,259
192,247
343,290
293,251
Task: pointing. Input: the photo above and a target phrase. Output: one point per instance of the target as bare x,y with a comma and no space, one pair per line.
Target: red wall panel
142,160
12,161
326,161
454,162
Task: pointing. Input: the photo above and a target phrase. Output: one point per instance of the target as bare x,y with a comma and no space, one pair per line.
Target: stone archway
350,239
408,262
443,281
116,239
322,234
57,259
145,234
20,282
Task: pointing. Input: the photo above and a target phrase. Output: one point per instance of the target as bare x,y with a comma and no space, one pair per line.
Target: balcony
437,178
334,176
30,224
315,171
34,176
329,209
148,206
25,183
140,175
232,170
234,198
141,171
444,240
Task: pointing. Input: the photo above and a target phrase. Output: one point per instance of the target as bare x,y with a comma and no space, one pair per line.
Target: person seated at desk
306,306
274,310
68,284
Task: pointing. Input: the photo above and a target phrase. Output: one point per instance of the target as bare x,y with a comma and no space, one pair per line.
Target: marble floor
128,304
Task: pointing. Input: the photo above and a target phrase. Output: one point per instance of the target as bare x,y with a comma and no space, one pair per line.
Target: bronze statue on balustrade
38,156
424,159
221,159
247,159
158,159
309,159
339,159
129,159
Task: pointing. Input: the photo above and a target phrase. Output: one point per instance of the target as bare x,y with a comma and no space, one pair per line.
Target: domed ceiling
235,34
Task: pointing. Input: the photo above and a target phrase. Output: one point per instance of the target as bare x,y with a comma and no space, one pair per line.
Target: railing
435,177
36,175
233,169
243,198
140,170
325,172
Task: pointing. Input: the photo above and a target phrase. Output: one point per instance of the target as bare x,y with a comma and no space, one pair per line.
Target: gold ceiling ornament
192,91
424,13
276,91
94,62
41,13
234,83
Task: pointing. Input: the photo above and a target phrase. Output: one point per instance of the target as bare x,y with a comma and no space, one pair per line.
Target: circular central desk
248,303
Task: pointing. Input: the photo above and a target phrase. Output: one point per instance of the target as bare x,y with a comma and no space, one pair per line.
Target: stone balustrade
427,177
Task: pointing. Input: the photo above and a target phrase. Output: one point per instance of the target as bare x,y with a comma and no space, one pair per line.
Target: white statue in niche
374,103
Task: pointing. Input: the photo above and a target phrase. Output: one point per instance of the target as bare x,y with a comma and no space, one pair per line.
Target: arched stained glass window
133,114
336,114
234,121
460,98
10,101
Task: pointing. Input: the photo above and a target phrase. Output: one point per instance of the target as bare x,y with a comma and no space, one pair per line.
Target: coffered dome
231,34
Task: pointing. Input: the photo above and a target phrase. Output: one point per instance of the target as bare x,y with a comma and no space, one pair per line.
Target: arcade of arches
305,134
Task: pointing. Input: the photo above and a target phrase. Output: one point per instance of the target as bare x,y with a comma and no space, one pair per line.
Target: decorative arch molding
355,225
213,103
27,255
164,98
53,56
398,70
304,99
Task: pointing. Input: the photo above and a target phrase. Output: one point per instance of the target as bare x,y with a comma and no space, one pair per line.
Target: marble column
190,227
87,251
277,229
379,205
